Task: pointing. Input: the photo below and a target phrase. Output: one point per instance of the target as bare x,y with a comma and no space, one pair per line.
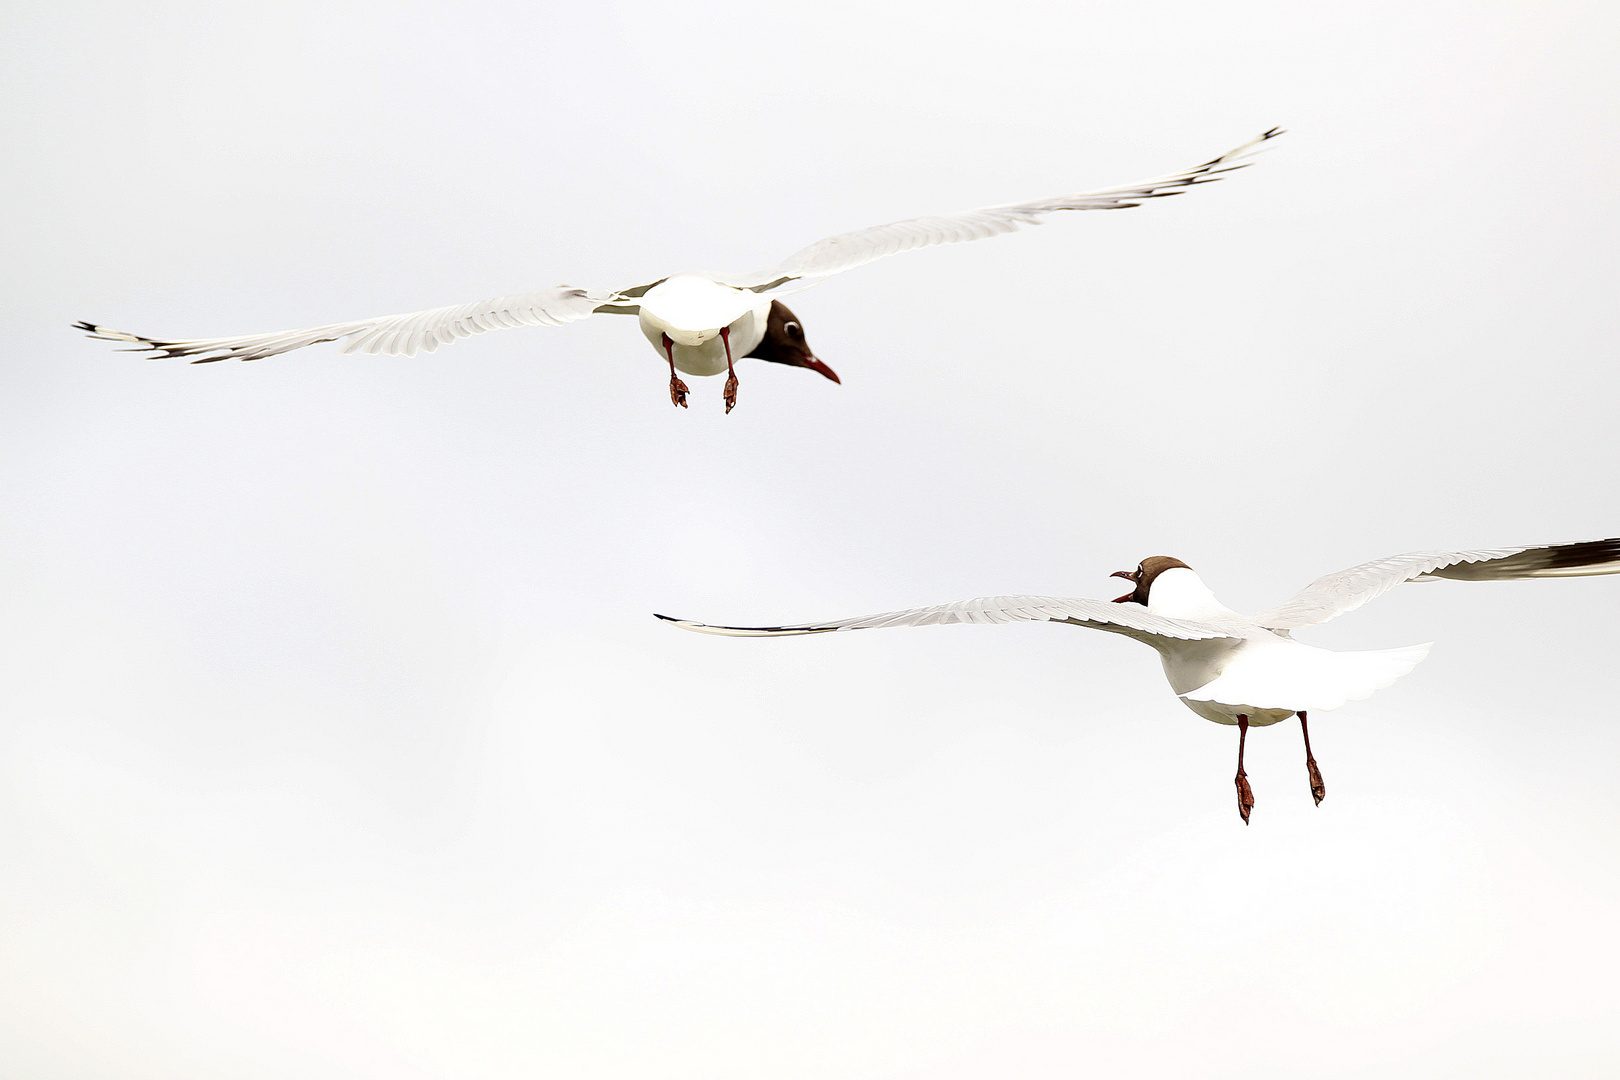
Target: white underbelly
1228,714
709,358
706,359
1269,678
1194,664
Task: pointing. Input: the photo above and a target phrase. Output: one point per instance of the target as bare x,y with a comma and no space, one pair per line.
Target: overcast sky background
340,741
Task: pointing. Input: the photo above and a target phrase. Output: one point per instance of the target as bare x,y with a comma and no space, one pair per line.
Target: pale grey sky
340,742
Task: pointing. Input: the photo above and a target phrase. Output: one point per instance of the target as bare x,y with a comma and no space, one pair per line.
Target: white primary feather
1337,593
846,251
391,335
1129,619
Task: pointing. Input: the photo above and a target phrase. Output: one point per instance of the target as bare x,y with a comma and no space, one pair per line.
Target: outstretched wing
392,335
849,250
1131,620
1347,590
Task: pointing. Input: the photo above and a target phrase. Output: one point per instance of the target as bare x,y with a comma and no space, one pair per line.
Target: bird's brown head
1143,576
784,343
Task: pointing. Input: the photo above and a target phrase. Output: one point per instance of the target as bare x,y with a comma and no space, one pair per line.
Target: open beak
816,365
1128,576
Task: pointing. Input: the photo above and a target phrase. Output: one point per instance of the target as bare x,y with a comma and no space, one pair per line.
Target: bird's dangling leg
1244,794
731,376
677,389
1318,789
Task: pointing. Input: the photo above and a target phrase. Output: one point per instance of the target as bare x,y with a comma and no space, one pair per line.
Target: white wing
392,335
1347,590
1131,620
844,252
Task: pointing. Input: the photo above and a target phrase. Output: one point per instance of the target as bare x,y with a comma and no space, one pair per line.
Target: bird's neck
1181,594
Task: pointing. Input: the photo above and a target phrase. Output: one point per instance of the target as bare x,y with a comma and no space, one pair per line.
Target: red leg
731,376
1318,789
1244,794
677,389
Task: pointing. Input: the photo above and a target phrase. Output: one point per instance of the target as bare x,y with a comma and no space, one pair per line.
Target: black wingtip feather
1588,553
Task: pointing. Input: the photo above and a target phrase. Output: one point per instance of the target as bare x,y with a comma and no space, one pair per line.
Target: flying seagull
699,322
1246,670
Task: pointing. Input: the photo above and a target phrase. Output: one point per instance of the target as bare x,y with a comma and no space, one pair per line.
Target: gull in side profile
1246,670
700,323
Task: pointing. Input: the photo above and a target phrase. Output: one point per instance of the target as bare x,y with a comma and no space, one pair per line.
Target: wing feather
1335,594
391,335
1129,619
849,250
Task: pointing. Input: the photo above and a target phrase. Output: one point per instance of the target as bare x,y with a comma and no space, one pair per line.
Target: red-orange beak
816,365
1128,575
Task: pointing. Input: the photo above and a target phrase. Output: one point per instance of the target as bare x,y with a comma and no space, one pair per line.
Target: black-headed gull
697,321
1246,669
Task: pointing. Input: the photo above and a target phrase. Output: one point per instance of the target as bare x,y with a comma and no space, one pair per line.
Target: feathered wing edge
1344,591
846,251
1125,619
392,335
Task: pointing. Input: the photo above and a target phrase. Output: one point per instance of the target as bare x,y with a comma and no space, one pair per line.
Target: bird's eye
792,330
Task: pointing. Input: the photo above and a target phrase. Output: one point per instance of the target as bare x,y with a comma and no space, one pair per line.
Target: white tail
1307,678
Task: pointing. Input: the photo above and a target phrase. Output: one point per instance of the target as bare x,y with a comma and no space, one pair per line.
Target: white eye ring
791,326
